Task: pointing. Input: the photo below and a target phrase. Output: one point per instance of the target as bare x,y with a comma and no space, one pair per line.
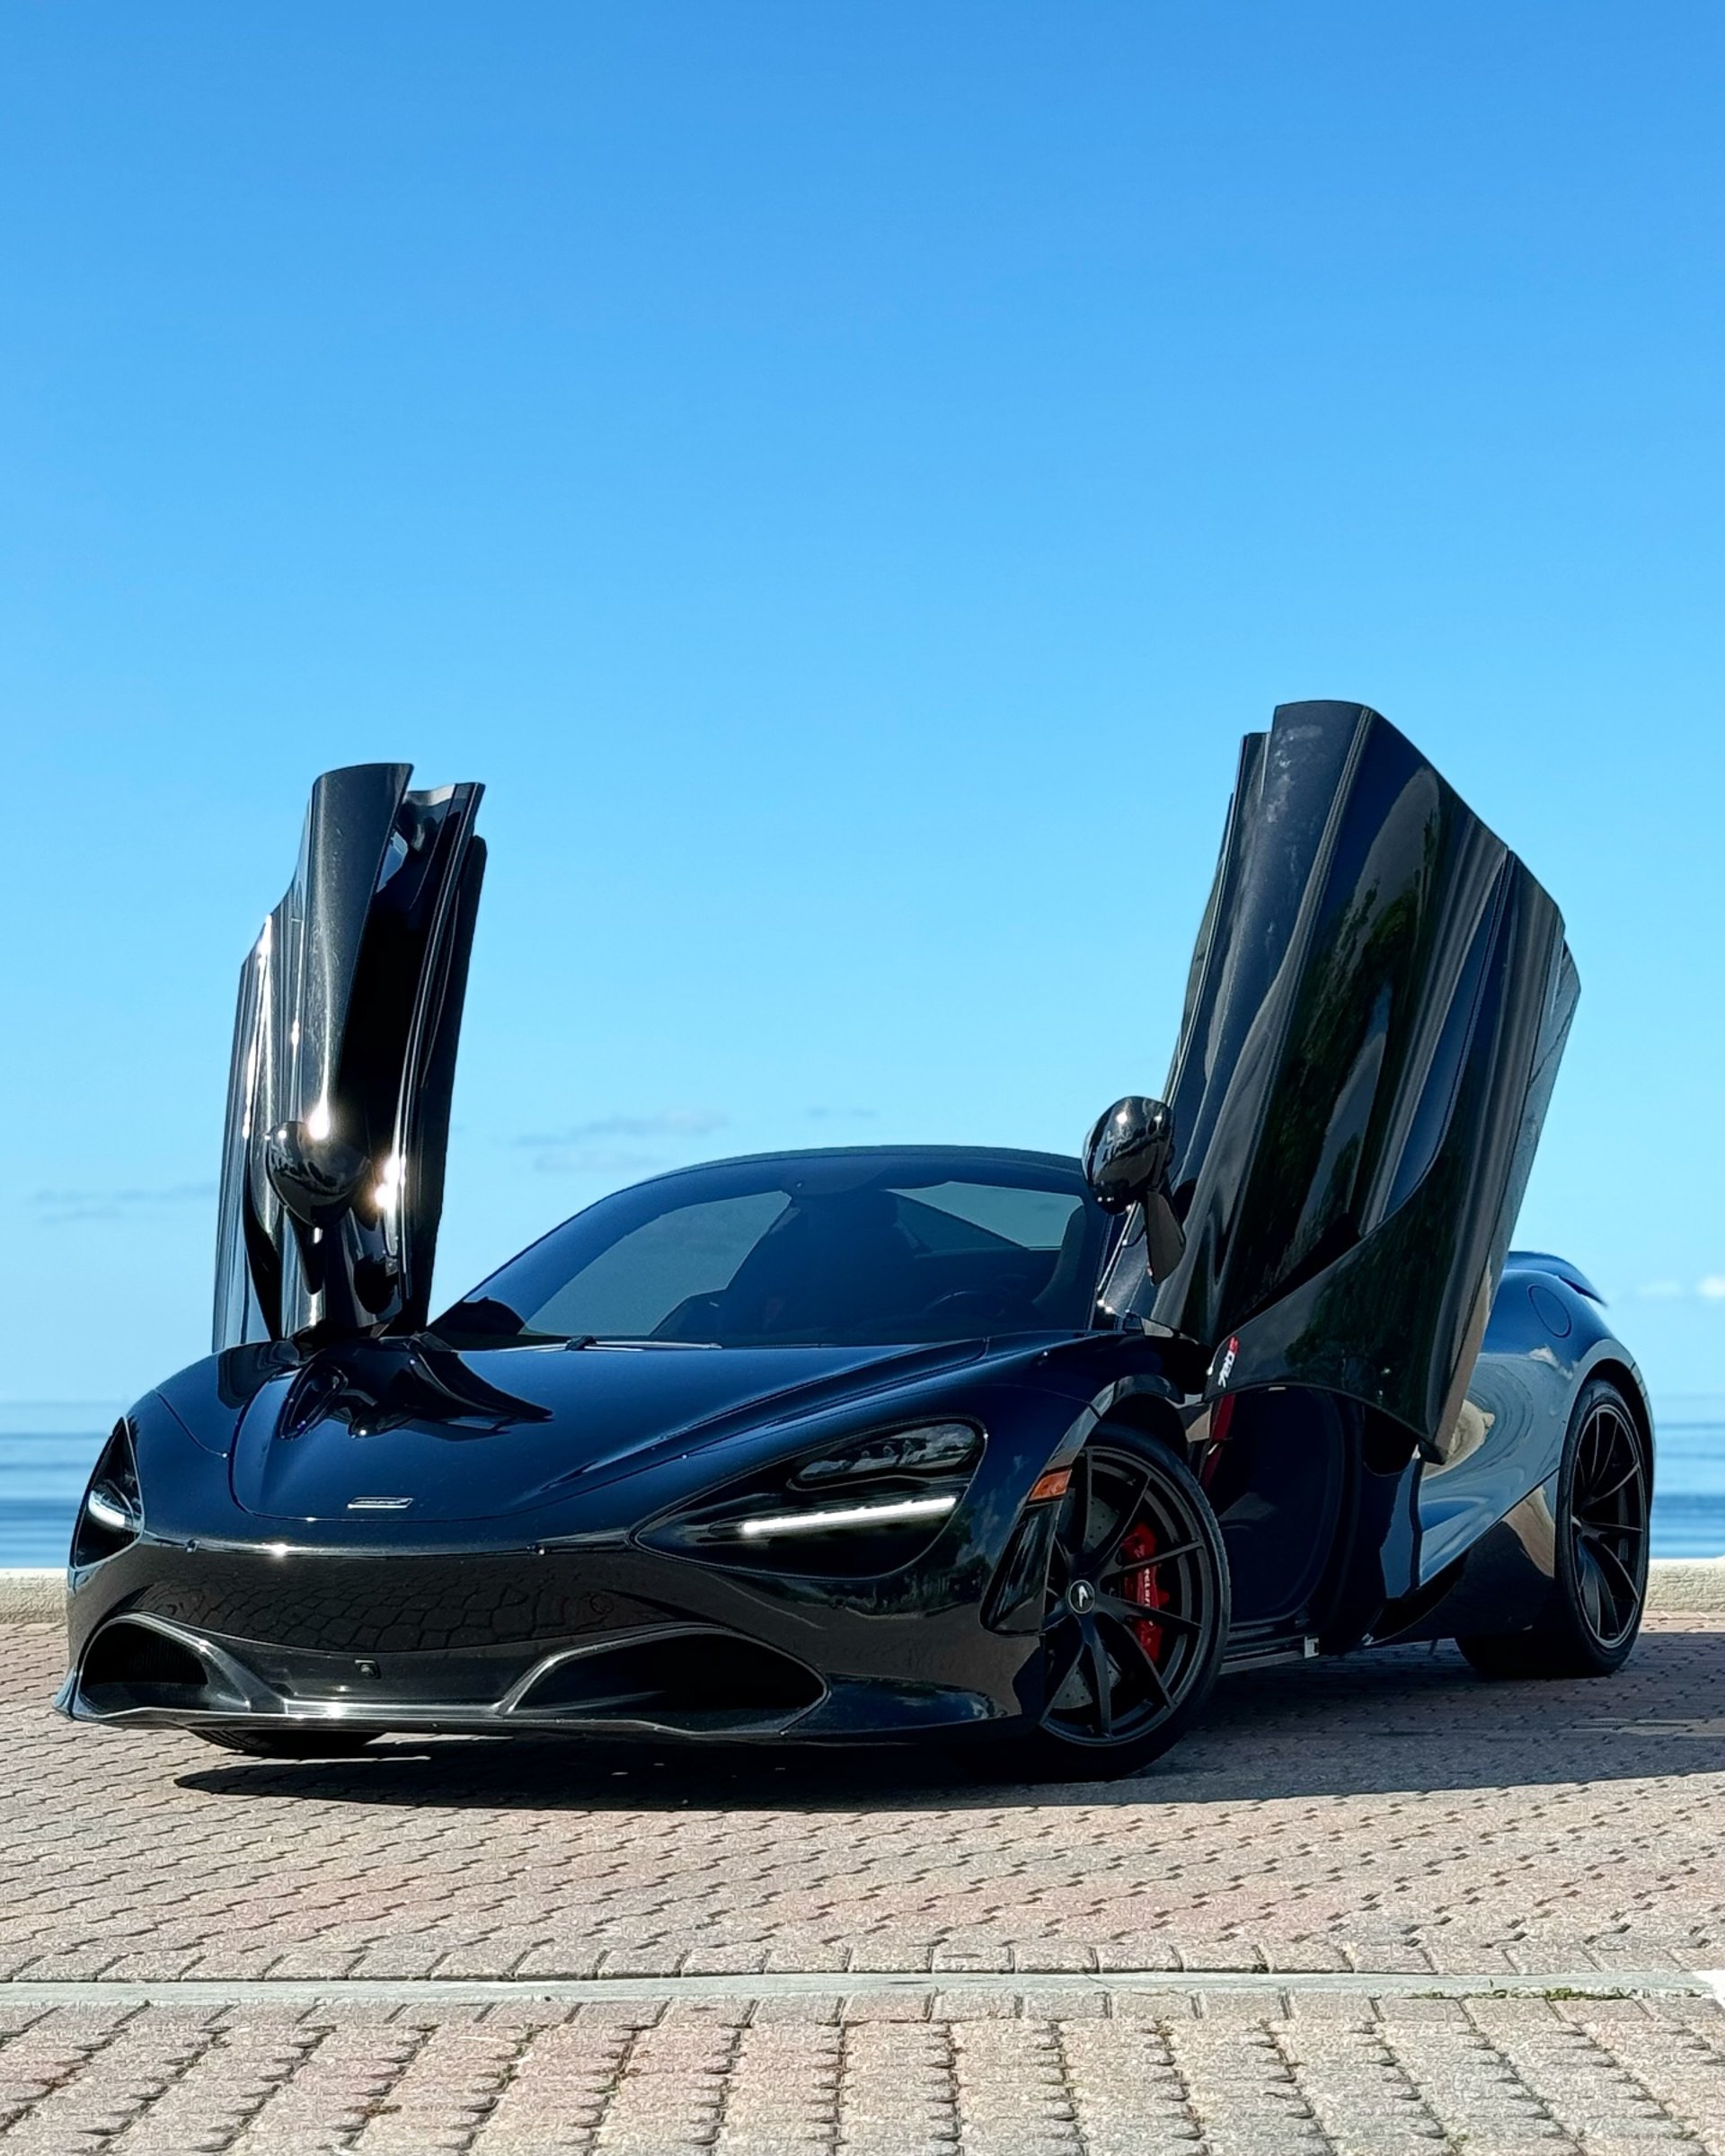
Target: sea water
42,1475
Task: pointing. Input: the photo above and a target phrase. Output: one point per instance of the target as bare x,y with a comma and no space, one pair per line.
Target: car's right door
1375,1010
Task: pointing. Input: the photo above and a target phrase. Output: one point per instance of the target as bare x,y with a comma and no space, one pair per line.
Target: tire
1130,1649
1604,1494
286,1743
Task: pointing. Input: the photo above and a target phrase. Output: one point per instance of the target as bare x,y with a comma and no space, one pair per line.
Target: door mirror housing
1127,1158
1128,1152
326,1191
317,1180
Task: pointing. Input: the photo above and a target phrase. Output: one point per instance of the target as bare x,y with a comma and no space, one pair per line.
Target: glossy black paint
1374,1018
456,1609
349,1515
1127,1159
530,1537
344,1046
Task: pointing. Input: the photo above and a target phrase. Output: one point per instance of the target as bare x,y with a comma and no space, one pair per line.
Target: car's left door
344,1047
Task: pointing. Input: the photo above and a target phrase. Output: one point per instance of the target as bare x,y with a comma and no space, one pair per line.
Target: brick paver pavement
1387,1815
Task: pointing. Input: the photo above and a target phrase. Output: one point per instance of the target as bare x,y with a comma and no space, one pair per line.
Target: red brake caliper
1142,1586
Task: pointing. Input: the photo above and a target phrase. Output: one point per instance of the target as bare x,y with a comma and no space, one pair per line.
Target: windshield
850,1250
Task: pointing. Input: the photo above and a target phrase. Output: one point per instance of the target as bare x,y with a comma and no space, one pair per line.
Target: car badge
378,1504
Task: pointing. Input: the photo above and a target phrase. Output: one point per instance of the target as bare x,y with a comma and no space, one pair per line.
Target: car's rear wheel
1136,1615
1603,1499
285,1743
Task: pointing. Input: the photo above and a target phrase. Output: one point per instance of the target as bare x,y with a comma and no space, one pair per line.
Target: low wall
1686,1583
32,1598
1675,1583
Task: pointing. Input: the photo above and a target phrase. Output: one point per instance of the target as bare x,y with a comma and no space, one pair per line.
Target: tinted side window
970,1216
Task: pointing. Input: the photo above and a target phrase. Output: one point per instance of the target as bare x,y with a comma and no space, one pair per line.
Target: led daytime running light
891,1512
110,1511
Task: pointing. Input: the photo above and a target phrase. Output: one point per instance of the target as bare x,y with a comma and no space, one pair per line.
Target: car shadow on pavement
1412,1720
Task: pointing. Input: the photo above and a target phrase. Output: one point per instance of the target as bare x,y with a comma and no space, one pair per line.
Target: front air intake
695,1680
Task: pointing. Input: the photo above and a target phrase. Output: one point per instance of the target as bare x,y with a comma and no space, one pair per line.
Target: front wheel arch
1628,1383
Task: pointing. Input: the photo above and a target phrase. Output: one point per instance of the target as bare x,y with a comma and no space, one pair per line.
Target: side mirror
1127,1159
322,1183
317,1178
1128,1152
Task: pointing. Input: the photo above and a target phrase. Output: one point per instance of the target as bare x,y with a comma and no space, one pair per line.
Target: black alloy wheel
1604,1501
1608,1525
1136,1614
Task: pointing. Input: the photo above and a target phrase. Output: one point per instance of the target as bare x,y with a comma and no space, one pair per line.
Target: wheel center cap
1081,1598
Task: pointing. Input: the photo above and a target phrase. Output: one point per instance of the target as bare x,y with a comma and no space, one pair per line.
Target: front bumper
612,1641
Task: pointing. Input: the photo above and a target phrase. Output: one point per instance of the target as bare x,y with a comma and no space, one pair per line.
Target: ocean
43,1471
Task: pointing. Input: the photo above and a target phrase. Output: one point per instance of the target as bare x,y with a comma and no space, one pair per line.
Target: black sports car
892,1443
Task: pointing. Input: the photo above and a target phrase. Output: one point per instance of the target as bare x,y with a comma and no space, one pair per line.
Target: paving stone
1516,2075
1386,1814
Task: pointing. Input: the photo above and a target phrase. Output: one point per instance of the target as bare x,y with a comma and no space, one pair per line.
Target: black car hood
481,1435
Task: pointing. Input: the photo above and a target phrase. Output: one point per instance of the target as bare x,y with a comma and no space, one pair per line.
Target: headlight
112,1513
865,1507
929,1450
112,1508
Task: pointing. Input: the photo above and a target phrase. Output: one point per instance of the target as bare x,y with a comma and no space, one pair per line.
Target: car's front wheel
1136,1615
1603,1497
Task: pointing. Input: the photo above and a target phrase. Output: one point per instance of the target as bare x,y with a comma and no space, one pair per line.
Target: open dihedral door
344,1051
1375,1011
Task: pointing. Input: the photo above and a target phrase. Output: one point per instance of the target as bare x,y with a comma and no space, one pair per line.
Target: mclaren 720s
905,1443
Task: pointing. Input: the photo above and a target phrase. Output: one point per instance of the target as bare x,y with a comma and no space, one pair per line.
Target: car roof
970,1156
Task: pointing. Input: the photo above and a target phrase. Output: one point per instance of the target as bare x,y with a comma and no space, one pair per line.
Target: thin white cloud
662,1123
584,1148
58,1207
1709,1288
597,1160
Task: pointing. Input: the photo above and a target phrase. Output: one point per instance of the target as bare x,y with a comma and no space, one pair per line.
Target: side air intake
131,1665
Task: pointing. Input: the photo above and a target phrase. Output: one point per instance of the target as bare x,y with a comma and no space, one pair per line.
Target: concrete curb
1695,1583
941,1988
33,1597
1688,1583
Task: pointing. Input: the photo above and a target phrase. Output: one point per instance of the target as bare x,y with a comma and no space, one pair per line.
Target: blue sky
846,477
